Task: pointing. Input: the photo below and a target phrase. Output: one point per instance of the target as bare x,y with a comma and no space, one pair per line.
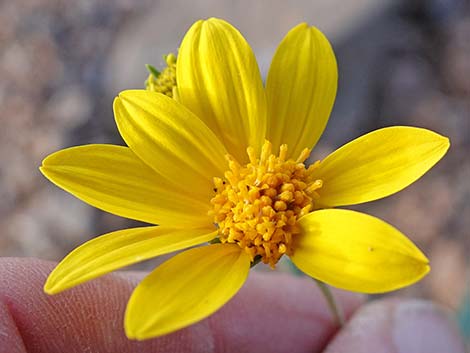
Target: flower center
257,205
165,81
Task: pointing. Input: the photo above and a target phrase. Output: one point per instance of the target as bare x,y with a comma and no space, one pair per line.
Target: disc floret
257,205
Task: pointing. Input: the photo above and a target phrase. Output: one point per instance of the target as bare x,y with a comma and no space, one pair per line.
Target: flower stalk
333,305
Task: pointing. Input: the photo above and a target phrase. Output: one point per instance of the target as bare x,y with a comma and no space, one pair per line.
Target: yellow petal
118,249
185,289
378,164
219,80
357,252
300,89
114,179
171,140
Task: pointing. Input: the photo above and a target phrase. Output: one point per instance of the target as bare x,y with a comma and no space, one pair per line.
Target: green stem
334,306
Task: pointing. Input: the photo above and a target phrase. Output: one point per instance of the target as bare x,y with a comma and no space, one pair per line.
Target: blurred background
400,62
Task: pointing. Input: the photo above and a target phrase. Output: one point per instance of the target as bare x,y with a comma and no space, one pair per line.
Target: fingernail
422,327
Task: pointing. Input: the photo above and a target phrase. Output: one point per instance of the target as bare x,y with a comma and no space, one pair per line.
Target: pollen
257,205
165,81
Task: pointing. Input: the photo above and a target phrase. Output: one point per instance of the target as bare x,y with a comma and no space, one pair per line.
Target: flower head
223,161
163,82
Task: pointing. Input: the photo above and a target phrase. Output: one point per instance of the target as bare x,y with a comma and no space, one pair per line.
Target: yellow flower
225,160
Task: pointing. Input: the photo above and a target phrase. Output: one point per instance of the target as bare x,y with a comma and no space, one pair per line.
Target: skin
272,313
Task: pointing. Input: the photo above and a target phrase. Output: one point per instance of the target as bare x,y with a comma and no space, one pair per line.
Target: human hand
272,313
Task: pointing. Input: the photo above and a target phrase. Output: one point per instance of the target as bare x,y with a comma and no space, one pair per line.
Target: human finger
271,313
399,326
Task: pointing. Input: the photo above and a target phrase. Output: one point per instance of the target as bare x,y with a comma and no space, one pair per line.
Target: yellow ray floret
185,289
357,252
